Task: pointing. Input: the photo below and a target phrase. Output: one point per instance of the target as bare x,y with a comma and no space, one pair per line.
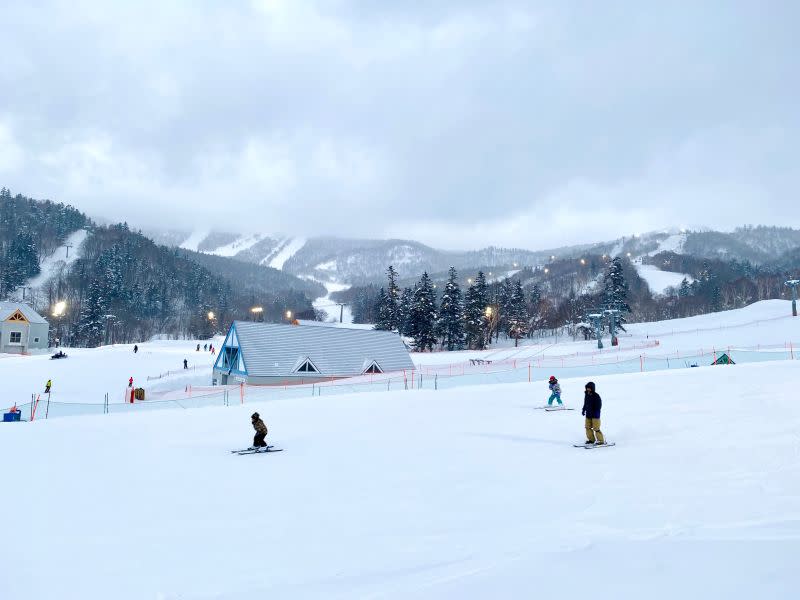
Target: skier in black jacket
592,403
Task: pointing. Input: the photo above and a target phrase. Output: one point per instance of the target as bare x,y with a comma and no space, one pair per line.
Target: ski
590,446
552,408
250,449
260,451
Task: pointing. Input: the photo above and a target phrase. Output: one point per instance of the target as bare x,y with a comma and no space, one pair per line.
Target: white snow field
658,281
463,493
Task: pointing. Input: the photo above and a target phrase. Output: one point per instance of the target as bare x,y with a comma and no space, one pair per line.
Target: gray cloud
466,124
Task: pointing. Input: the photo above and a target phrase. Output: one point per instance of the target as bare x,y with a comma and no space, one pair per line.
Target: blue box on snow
10,417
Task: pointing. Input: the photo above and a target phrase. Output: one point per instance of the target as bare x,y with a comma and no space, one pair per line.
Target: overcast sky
456,123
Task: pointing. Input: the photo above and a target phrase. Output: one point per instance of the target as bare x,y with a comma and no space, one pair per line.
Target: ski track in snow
290,248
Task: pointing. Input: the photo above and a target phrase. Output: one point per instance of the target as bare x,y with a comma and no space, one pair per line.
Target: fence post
791,350
47,410
313,389
529,372
436,382
641,364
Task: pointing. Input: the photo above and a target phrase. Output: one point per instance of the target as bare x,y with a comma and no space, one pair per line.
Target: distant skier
592,403
135,348
198,347
205,347
47,386
213,351
261,431
185,364
130,382
555,392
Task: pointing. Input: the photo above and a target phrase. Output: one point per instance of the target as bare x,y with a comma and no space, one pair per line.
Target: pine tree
422,318
450,326
392,300
91,322
475,303
383,312
616,288
404,311
684,291
518,318
504,307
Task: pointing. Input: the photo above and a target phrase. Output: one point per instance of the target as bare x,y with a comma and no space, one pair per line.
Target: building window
307,367
15,337
35,340
373,368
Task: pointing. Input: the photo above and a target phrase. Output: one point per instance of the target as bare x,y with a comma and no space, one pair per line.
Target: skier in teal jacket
555,392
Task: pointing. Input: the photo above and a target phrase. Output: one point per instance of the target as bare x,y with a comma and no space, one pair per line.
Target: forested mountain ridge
120,286
29,230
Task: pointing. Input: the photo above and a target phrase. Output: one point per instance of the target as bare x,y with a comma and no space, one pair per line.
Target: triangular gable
305,365
17,317
371,366
724,360
231,357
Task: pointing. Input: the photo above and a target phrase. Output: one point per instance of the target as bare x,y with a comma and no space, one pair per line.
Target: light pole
211,317
59,308
289,316
793,283
257,312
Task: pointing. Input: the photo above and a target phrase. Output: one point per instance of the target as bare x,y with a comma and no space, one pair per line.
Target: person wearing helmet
555,392
261,431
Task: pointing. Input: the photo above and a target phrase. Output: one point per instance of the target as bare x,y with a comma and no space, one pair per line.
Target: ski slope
193,241
658,281
460,494
289,249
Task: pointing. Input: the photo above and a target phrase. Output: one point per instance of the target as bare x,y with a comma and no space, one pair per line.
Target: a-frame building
272,354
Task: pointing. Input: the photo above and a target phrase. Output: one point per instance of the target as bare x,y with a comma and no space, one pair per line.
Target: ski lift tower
793,283
613,313
597,321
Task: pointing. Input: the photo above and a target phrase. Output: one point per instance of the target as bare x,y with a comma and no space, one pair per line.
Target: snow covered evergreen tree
392,300
475,303
685,290
450,326
504,307
518,319
383,311
404,311
422,318
91,324
615,286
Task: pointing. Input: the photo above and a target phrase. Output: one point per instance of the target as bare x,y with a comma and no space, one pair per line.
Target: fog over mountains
360,261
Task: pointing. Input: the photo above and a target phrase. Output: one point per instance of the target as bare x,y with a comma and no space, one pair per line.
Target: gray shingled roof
274,350
8,308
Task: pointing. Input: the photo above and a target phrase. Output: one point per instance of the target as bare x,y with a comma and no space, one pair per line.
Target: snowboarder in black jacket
592,403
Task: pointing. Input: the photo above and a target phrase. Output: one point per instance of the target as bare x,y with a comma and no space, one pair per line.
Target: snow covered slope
459,494
194,240
288,249
658,281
